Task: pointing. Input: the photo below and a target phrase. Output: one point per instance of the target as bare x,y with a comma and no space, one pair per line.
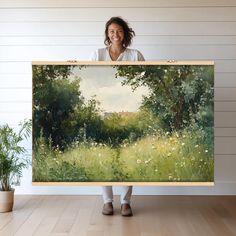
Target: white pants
125,196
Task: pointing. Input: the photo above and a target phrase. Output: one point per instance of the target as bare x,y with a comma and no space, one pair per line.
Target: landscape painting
139,122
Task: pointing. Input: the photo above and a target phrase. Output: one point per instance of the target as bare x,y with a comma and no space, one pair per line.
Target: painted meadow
123,123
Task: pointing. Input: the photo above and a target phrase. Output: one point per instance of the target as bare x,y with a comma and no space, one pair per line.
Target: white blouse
102,54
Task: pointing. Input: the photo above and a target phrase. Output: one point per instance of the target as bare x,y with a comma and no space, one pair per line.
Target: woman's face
116,34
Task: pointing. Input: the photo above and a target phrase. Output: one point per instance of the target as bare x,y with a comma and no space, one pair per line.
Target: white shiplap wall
70,29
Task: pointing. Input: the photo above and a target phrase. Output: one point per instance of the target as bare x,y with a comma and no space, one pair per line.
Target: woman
118,36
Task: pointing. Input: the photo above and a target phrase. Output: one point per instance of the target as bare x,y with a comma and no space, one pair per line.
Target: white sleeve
94,56
140,56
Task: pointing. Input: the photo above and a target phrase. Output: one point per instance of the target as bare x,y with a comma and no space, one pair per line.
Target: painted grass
168,159
153,158
83,163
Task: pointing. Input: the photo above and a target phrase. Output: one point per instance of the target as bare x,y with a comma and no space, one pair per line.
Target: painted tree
55,98
60,112
178,95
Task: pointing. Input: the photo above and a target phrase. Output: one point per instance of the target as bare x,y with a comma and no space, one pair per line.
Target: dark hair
128,32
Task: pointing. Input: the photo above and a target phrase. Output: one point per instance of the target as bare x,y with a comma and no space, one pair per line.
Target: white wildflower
138,161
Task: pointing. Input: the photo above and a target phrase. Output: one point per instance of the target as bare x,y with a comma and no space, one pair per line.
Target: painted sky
101,81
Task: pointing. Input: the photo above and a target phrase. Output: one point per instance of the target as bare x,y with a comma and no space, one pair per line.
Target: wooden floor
153,215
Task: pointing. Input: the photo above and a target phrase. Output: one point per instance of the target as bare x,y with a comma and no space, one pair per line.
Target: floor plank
20,215
7,217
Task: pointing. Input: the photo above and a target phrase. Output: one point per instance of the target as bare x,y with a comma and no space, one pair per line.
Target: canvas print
134,122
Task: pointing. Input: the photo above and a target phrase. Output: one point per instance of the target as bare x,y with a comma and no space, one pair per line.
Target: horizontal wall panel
16,81
45,53
98,40
97,28
225,79
64,53
225,145
226,66
225,106
225,167
15,107
103,14
225,94
69,41
114,3
15,95
14,119
13,67
225,132
225,119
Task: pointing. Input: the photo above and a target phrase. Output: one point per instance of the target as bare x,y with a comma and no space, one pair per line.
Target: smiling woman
118,36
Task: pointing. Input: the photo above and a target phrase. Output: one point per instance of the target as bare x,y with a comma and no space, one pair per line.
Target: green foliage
118,168
12,159
86,121
60,112
55,98
43,157
49,166
177,93
67,172
116,129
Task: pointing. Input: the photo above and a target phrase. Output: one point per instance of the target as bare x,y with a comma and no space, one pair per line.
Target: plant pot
6,200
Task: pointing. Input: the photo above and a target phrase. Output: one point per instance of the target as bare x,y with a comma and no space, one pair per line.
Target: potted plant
12,161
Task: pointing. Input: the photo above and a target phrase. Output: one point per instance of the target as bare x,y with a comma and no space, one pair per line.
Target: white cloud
101,81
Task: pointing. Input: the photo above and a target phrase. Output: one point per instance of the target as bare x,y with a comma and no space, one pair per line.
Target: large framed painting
123,123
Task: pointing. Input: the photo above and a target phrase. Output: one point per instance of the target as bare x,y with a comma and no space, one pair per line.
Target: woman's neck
117,48
115,51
